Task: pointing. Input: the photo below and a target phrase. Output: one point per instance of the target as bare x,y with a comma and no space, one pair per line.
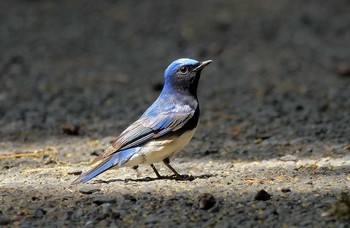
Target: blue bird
164,128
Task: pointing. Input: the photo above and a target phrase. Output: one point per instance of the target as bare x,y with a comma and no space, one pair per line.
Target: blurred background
281,68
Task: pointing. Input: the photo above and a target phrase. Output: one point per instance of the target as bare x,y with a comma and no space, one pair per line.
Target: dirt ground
274,112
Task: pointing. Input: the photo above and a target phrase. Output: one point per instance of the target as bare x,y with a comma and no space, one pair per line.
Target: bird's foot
182,177
176,177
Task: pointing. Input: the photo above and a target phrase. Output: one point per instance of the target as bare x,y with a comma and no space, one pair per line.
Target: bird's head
183,75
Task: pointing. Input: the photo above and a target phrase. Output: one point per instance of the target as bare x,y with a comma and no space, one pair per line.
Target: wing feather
145,129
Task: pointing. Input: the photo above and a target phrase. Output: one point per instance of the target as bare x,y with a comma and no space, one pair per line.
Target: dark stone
262,195
34,198
206,201
70,129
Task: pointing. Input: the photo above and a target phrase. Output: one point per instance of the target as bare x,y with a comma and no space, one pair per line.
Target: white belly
158,150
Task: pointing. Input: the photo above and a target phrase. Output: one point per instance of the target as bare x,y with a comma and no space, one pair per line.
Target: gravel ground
273,145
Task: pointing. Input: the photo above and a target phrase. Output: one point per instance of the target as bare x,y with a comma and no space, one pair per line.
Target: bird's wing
145,129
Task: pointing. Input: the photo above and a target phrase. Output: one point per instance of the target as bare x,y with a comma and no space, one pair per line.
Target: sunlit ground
36,179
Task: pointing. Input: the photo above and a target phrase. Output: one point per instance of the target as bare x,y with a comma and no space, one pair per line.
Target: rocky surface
273,146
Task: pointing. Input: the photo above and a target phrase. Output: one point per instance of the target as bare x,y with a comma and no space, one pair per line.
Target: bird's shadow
148,179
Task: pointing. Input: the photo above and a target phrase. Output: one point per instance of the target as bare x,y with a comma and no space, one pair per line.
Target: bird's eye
184,70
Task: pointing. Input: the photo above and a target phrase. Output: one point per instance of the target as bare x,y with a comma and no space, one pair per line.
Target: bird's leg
156,171
166,162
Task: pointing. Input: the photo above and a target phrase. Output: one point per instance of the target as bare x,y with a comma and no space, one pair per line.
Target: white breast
157,150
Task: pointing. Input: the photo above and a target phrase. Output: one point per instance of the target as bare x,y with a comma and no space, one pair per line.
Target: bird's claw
183,177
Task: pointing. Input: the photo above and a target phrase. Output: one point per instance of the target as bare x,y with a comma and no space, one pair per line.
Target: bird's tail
119,158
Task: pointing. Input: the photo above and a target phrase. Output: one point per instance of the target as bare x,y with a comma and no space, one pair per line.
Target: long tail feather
118,158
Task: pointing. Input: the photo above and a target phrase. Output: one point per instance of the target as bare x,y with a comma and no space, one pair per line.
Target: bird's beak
202,65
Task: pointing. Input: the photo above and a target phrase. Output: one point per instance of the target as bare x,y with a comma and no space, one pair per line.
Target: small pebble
103,200
206,201
89,190
75,172
288,158
262,195
70,129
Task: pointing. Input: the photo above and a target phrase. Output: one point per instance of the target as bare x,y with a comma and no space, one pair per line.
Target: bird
164,128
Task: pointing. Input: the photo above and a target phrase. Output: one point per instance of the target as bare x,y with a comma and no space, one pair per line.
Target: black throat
186,85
